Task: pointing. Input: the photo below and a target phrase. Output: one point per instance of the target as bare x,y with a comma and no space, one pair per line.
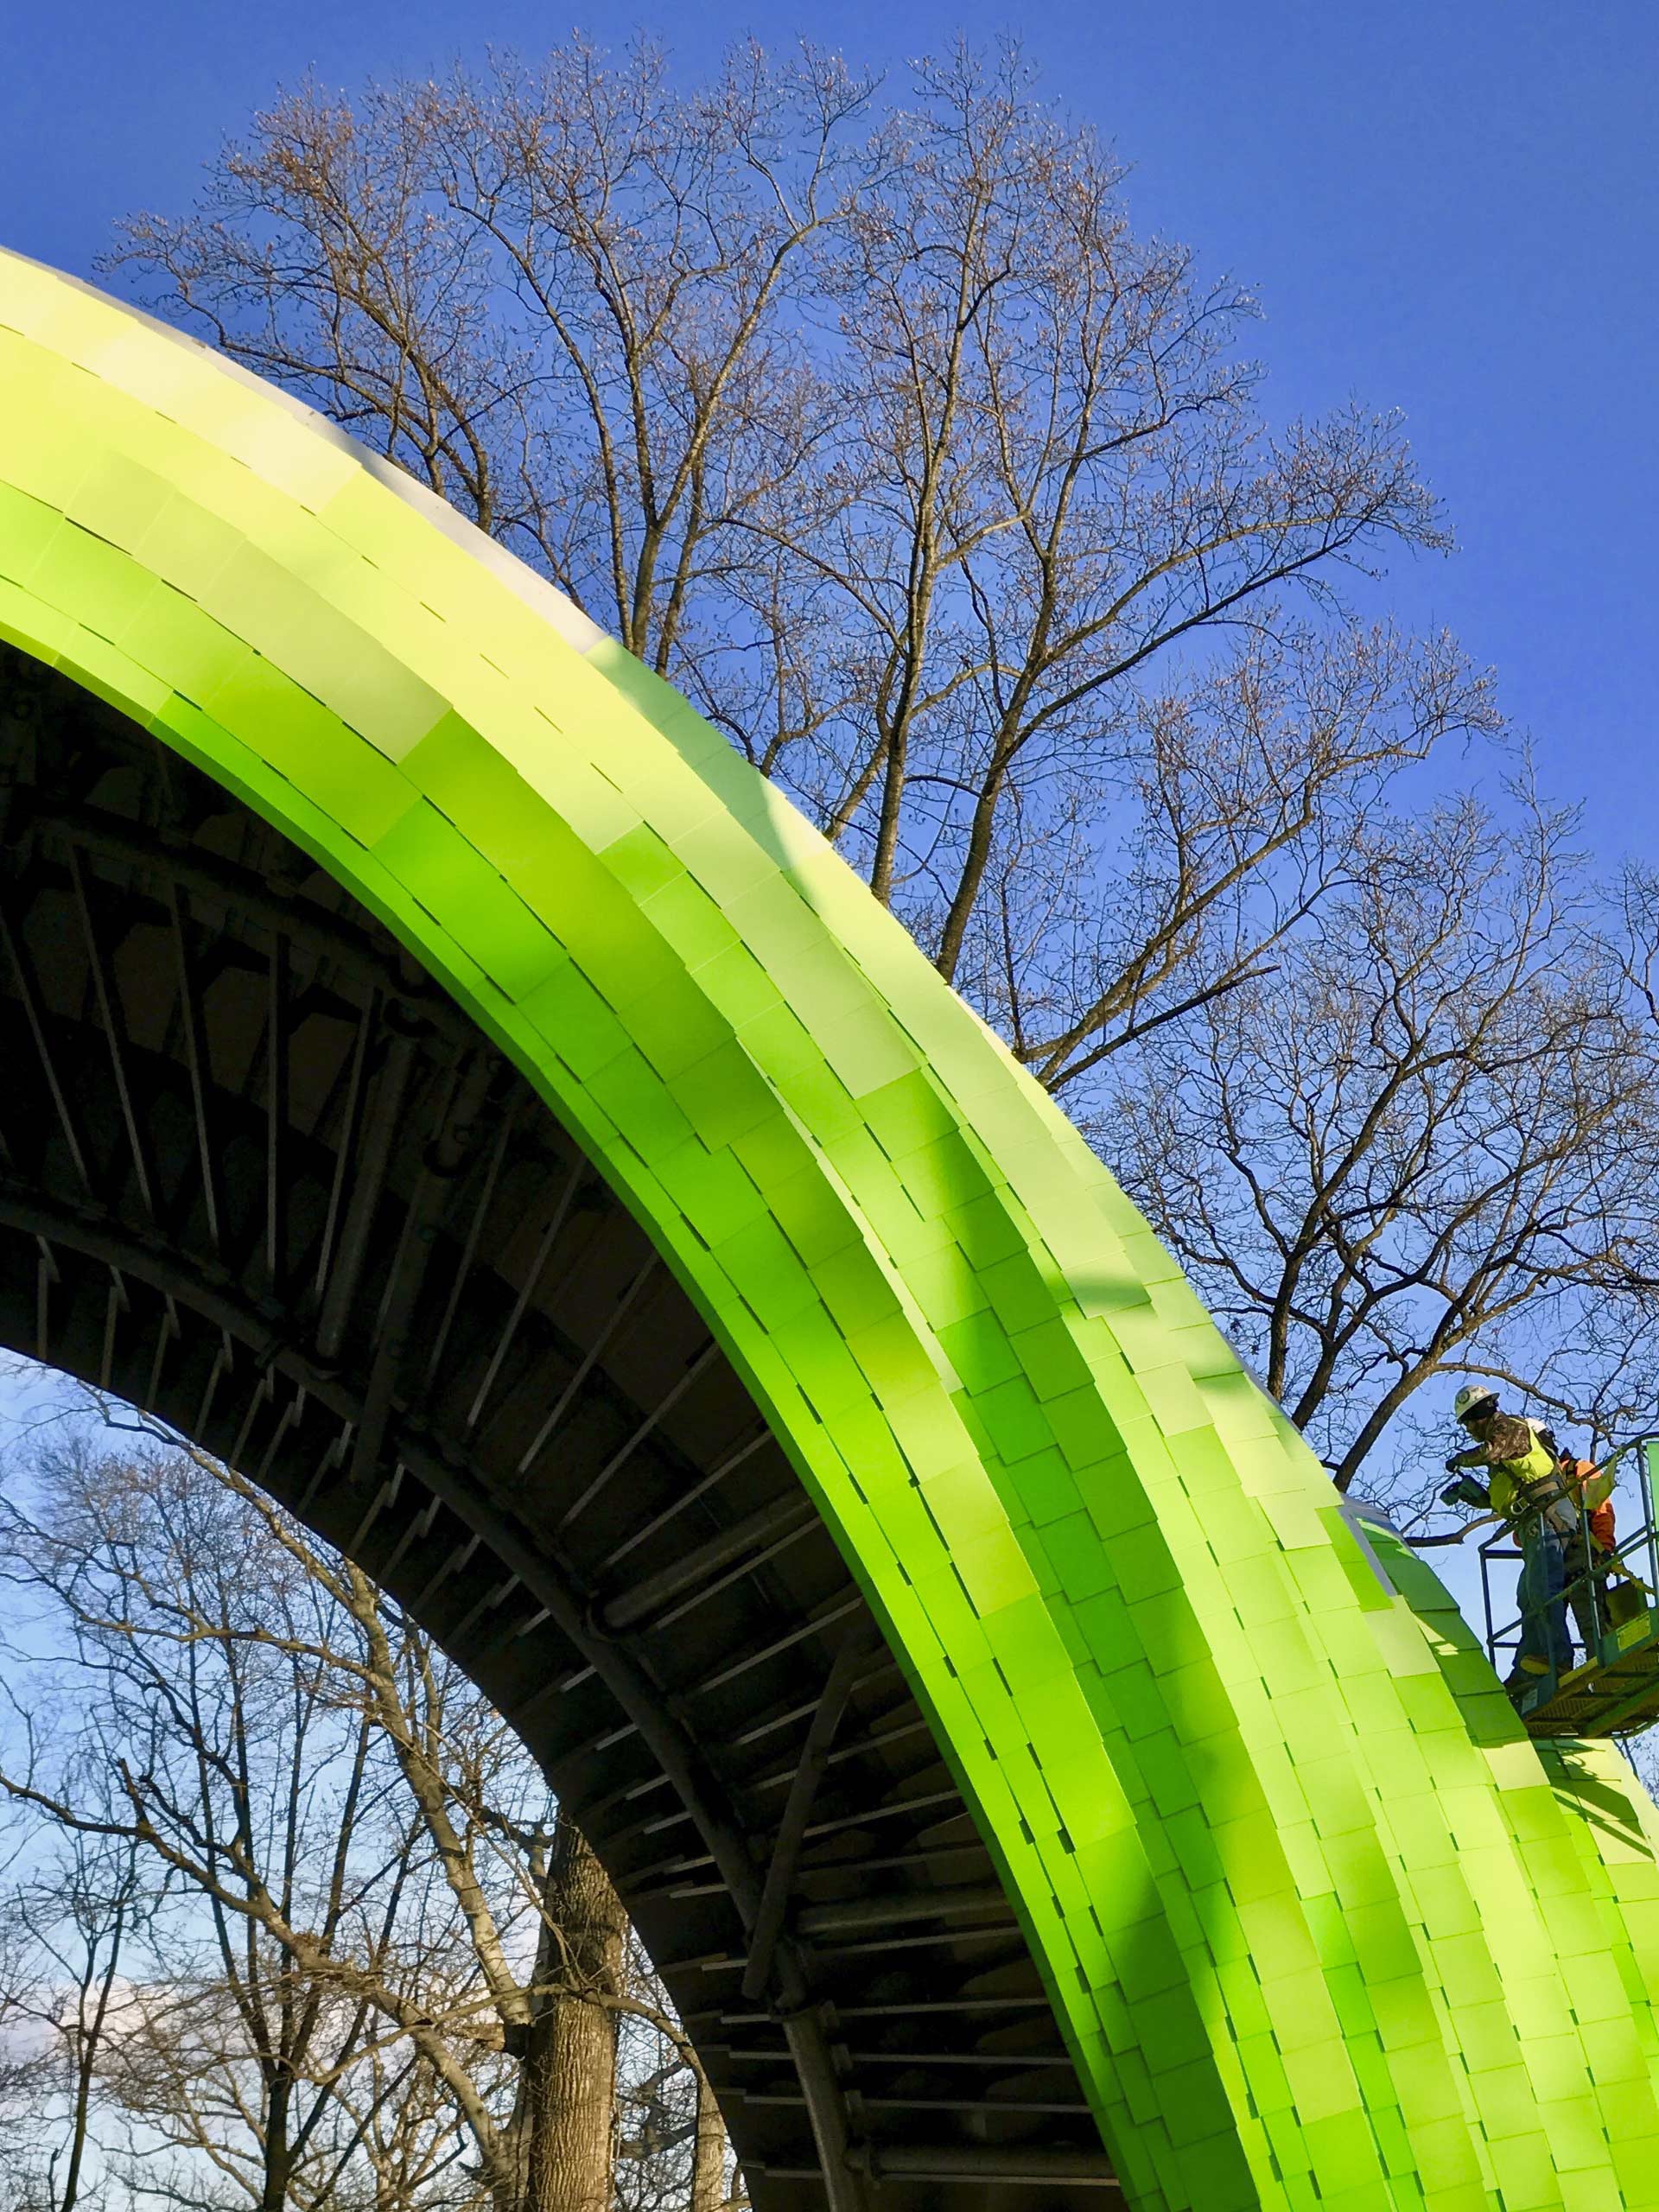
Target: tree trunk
709,2157
279,2151
570,2065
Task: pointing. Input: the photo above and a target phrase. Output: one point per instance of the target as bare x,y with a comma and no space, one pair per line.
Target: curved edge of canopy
1611,1827
1313,1935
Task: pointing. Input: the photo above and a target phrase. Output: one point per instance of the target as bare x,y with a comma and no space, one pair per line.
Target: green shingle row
1321,1927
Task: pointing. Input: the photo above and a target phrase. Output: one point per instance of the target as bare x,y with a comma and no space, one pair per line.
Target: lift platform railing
1608,1595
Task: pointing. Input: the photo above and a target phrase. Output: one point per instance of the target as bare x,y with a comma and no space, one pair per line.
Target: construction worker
1521,1465
1585,1549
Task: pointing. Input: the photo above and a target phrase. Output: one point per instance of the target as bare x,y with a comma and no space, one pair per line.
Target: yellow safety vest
1532,1480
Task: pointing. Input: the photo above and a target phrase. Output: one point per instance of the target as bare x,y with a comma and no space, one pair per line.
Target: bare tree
865,413
1066,476
563,295
1128,896
1425,1144
230,1774
389,1967
63,1928
101,1885
875,423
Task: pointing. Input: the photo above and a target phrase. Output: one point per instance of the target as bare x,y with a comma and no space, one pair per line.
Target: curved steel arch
1316,1925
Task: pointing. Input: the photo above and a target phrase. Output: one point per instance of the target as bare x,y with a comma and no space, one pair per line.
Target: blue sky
1449,209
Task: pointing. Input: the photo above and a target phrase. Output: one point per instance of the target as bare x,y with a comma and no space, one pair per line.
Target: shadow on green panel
1467,1672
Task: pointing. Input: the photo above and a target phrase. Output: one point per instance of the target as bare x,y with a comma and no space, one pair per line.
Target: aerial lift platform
1613,1689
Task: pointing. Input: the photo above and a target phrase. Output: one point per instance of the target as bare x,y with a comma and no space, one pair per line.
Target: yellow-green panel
1322,1926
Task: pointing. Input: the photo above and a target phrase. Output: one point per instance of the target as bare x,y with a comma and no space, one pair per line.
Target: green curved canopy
1322,1926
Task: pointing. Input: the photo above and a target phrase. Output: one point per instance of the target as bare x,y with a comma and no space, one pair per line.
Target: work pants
1543,1616
1579,1562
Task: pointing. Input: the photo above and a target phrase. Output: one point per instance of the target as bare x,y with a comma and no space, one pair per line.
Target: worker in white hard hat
1521,1464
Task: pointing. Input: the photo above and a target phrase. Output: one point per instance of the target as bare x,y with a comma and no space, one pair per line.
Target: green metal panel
1322,1926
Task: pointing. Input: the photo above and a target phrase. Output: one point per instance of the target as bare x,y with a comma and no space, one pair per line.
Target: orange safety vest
1576,1473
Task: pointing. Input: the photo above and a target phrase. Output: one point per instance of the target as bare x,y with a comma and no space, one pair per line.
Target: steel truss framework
441,1081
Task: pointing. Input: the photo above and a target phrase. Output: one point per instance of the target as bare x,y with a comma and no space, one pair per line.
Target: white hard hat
1472,1398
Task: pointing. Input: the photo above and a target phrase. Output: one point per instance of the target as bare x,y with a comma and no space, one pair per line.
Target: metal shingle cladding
1324,1927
